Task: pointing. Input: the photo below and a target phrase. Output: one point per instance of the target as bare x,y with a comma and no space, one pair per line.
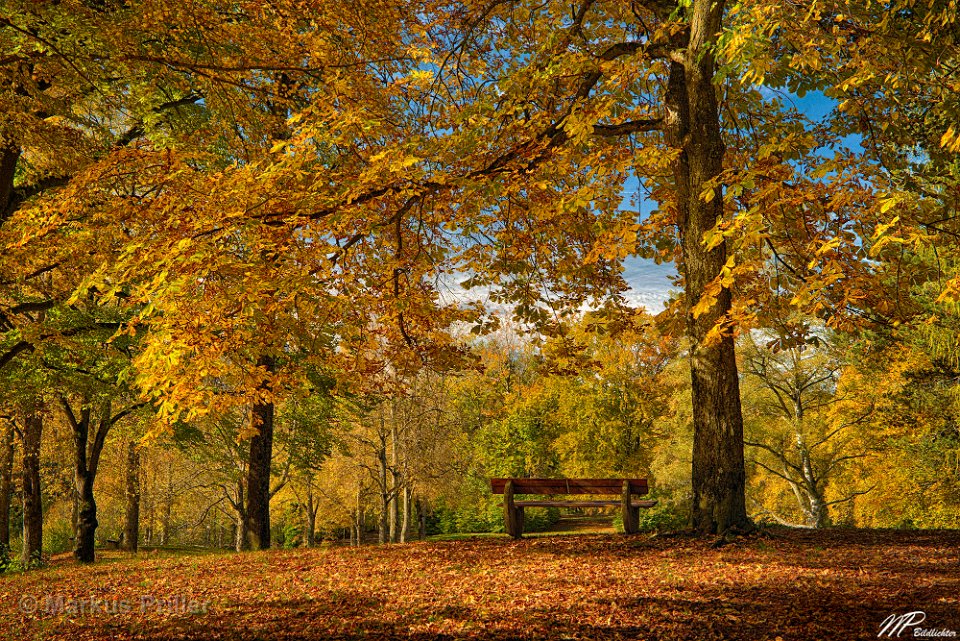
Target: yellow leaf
423,76
947,137
404,162
882,228
706,302
888,204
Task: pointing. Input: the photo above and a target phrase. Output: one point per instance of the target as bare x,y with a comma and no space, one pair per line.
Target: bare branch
852,496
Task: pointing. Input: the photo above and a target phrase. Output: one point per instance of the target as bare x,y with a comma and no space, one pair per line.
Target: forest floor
835,584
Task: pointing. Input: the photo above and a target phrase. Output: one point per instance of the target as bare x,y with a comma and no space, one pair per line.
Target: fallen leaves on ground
835,584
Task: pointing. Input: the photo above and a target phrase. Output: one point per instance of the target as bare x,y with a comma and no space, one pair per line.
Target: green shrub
463,519
662,518
59,536
292,536
667,515
539,519
486,518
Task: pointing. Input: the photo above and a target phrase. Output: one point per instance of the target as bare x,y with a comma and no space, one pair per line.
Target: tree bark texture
131,521
693,128
7,452
32,500
258,470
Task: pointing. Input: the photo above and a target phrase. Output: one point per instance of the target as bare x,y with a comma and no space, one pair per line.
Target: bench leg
512,515
630,514
631,525
516,530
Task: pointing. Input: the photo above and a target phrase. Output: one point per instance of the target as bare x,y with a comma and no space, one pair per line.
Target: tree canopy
212,204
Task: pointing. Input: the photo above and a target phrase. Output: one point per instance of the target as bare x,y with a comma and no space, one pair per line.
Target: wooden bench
626,488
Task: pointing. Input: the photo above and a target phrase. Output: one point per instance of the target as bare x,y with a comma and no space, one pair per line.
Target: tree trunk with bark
383,525
813,504
9,156
86,456
7,452
32,500
312,506
240,532
407,506
74,511
394,480
149,514
358,518
131,522
819,515
421,520
240,518
166,508
693,128
258,469
87,522
86,513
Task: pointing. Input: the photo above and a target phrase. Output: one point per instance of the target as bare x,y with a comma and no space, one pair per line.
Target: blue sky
650,284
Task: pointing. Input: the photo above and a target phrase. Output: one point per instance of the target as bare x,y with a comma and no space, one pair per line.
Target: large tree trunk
719,475
7,451
819,515
85,523
74,511
817,512
86,454
32,504
131,522
258,471
86,519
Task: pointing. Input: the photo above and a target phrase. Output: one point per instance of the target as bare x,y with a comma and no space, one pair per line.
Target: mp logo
896,624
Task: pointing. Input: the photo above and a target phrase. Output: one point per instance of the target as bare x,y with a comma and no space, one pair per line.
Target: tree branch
16,350
627,128
36,306
774,472
137,130
852,496
71,417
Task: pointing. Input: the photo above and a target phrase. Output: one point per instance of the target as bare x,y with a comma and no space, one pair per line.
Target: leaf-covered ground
790,585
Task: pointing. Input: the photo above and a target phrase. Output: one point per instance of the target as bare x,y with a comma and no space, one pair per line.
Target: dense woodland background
827,445
232,236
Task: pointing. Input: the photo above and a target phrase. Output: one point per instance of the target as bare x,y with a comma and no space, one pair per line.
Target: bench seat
590,503
626,488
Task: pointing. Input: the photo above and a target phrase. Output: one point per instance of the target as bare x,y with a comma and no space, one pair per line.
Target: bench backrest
569,486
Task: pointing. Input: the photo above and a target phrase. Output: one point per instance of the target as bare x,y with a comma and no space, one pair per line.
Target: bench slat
598,503
569,486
